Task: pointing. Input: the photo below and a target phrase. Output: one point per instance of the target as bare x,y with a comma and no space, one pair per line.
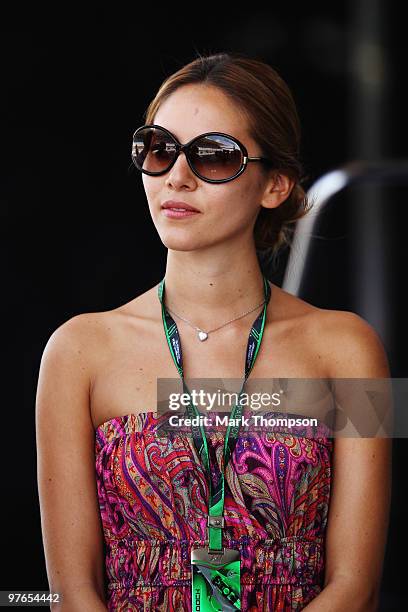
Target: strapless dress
153,498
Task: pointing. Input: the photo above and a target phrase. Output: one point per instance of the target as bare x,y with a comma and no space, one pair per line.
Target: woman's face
228,211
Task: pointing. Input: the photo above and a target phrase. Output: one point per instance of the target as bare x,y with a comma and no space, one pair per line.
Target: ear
277,190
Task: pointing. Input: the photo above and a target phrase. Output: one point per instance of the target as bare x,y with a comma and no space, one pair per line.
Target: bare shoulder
290,308
89,333
348,344
82,332
93,328
352,346
76,348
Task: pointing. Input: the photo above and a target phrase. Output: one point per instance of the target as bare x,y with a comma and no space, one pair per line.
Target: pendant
216,579
202,336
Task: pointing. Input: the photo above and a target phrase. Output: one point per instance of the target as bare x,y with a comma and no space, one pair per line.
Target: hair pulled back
273,122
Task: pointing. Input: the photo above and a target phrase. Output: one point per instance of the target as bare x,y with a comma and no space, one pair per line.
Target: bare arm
361,489
70,519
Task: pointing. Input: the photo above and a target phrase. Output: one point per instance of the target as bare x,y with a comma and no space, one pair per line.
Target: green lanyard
216,502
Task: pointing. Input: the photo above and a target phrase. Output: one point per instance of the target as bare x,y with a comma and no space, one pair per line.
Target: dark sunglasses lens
153,150
216,157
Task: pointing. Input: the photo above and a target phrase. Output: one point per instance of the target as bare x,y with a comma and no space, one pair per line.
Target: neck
210,289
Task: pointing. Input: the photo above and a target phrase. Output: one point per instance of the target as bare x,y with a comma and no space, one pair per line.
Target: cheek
153,189
150,184
244,201
231,212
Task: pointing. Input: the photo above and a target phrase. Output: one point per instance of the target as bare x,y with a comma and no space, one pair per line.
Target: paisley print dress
153,498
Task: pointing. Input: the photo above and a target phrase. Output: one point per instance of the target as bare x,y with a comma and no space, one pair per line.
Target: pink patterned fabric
153,496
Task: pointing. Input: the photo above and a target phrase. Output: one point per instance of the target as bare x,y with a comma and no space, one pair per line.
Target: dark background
76,230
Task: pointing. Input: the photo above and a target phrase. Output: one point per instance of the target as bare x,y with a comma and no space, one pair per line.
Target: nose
180,173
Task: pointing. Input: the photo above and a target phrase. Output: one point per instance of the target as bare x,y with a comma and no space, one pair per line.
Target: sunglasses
214,157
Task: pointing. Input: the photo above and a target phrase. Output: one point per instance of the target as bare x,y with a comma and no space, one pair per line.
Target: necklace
203,335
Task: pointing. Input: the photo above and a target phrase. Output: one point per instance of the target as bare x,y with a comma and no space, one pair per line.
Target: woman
311,530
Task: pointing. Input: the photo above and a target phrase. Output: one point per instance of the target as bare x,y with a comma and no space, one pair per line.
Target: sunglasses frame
185,149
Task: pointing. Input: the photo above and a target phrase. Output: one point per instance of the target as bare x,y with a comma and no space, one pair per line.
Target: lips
178,205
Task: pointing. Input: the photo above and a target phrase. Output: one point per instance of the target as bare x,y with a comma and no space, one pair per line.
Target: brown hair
267,102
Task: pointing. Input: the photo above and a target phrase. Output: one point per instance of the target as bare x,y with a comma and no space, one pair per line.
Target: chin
180,241
181,245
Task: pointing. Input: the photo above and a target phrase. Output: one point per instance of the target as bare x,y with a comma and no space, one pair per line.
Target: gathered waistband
132,563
